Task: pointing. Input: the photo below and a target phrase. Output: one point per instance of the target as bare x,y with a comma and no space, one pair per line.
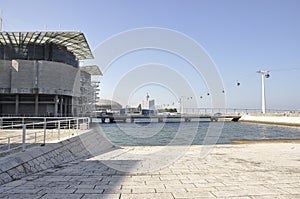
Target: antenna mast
1,21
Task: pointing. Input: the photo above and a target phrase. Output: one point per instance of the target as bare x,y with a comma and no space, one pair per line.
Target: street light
264,73
181,102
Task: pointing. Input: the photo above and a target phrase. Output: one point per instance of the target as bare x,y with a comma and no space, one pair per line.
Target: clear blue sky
240,36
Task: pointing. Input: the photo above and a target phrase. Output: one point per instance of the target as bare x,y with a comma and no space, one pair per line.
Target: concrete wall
54,76
22,81
282,120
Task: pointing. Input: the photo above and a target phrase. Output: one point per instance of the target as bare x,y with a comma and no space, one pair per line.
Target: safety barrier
18,137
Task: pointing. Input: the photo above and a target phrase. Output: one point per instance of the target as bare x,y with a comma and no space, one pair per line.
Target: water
159,134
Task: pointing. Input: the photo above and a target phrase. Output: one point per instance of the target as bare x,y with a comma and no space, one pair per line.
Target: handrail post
8,142
45,131
77,124
58,133
24,138
35,139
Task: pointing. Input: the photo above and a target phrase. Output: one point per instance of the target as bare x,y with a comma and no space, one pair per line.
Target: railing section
20,136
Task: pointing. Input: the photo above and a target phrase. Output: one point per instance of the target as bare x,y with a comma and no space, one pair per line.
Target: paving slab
263,170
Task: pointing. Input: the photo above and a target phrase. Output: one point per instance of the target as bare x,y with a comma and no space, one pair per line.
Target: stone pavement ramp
265,170
40,158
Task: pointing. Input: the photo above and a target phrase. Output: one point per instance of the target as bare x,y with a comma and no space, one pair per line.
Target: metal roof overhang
75,42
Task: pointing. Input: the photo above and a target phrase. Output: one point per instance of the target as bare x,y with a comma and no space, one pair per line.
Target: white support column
263,102
264,73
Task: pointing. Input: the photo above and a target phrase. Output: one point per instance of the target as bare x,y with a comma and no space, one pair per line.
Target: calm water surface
153,134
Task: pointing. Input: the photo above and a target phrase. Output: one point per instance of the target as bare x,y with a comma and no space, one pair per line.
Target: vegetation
169,110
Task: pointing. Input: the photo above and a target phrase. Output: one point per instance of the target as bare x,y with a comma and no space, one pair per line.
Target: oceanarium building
40,74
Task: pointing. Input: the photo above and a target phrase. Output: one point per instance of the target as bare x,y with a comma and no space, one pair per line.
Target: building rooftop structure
75,42
92,70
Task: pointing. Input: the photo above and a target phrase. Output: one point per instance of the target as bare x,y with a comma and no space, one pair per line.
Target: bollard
24,138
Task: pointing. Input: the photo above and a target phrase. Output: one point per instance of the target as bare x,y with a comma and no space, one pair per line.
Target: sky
240,37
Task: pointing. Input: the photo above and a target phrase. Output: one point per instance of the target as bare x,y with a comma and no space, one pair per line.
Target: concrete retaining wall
37,159
280,120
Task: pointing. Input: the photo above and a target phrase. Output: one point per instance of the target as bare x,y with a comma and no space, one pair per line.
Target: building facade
40,73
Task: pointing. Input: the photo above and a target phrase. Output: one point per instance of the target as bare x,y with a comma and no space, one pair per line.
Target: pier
164,118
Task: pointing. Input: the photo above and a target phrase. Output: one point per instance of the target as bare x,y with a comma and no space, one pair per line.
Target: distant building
108,105
40,74
152,104
131,110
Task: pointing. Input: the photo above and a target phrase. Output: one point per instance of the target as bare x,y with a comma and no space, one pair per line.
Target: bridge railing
236,111
16,137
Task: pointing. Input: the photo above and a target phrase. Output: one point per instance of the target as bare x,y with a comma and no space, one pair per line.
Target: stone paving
265,170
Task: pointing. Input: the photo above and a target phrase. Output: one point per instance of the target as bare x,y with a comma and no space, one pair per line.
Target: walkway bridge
111,118
193,114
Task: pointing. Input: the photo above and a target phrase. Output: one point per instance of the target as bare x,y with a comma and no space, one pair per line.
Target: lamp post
181,102
264,73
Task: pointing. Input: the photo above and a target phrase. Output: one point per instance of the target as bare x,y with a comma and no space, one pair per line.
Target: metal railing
18,137
234,111
12,121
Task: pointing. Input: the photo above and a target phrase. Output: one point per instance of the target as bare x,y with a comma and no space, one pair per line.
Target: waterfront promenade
259,170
